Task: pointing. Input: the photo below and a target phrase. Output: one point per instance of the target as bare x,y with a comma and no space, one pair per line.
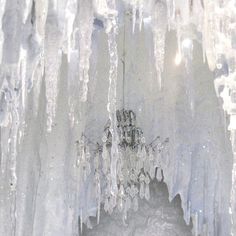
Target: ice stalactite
209,27
134,12
112,31
39,17
72,50
85,22
141,12
170,11
52,56
71,12
137,12
159,27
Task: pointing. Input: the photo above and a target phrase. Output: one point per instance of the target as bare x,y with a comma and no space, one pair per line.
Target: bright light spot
178,59
187,43
147,20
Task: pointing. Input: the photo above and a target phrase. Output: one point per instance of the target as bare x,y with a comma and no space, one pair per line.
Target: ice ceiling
68,66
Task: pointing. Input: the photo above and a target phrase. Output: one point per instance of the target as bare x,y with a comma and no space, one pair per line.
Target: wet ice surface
154,217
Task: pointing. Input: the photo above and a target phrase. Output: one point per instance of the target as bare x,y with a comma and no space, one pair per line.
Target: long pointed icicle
53,56
85,41
159,28
111,31
72,54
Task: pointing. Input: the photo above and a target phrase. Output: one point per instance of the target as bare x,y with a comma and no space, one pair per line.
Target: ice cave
117,117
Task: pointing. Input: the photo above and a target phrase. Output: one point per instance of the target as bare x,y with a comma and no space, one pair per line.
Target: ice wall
61,75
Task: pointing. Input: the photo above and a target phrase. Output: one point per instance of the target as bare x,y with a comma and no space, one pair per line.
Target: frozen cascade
59,60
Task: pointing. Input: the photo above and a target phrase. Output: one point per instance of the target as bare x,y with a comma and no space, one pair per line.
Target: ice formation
43,42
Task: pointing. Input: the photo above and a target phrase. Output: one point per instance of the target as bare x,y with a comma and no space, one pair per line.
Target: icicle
72,50
111,30
170,8
140,10
85,40
41,12
209,49
71,10
159,27
53,56
134,11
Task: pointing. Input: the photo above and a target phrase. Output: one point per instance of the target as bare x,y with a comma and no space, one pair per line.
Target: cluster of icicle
34,36
137,164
